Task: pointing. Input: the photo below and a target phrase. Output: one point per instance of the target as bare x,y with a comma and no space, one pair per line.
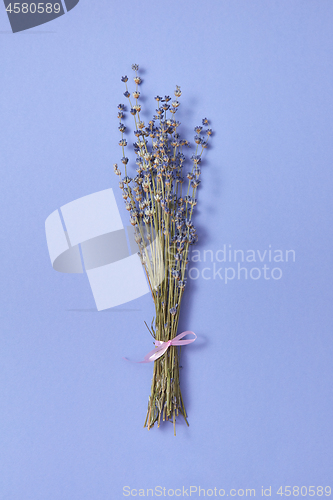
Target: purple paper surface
257,382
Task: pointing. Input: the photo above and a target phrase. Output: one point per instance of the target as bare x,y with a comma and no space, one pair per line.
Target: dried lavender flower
161,211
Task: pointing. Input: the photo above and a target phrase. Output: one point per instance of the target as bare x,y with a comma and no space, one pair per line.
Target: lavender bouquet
161,211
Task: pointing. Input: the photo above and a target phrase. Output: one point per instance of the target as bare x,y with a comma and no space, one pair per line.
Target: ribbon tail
155,353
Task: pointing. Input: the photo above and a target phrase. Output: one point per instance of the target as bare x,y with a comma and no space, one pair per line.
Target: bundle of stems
161,212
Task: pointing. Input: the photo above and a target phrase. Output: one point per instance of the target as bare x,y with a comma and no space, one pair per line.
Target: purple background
258,381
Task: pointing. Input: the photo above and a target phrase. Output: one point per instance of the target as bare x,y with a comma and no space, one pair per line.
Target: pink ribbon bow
162,347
